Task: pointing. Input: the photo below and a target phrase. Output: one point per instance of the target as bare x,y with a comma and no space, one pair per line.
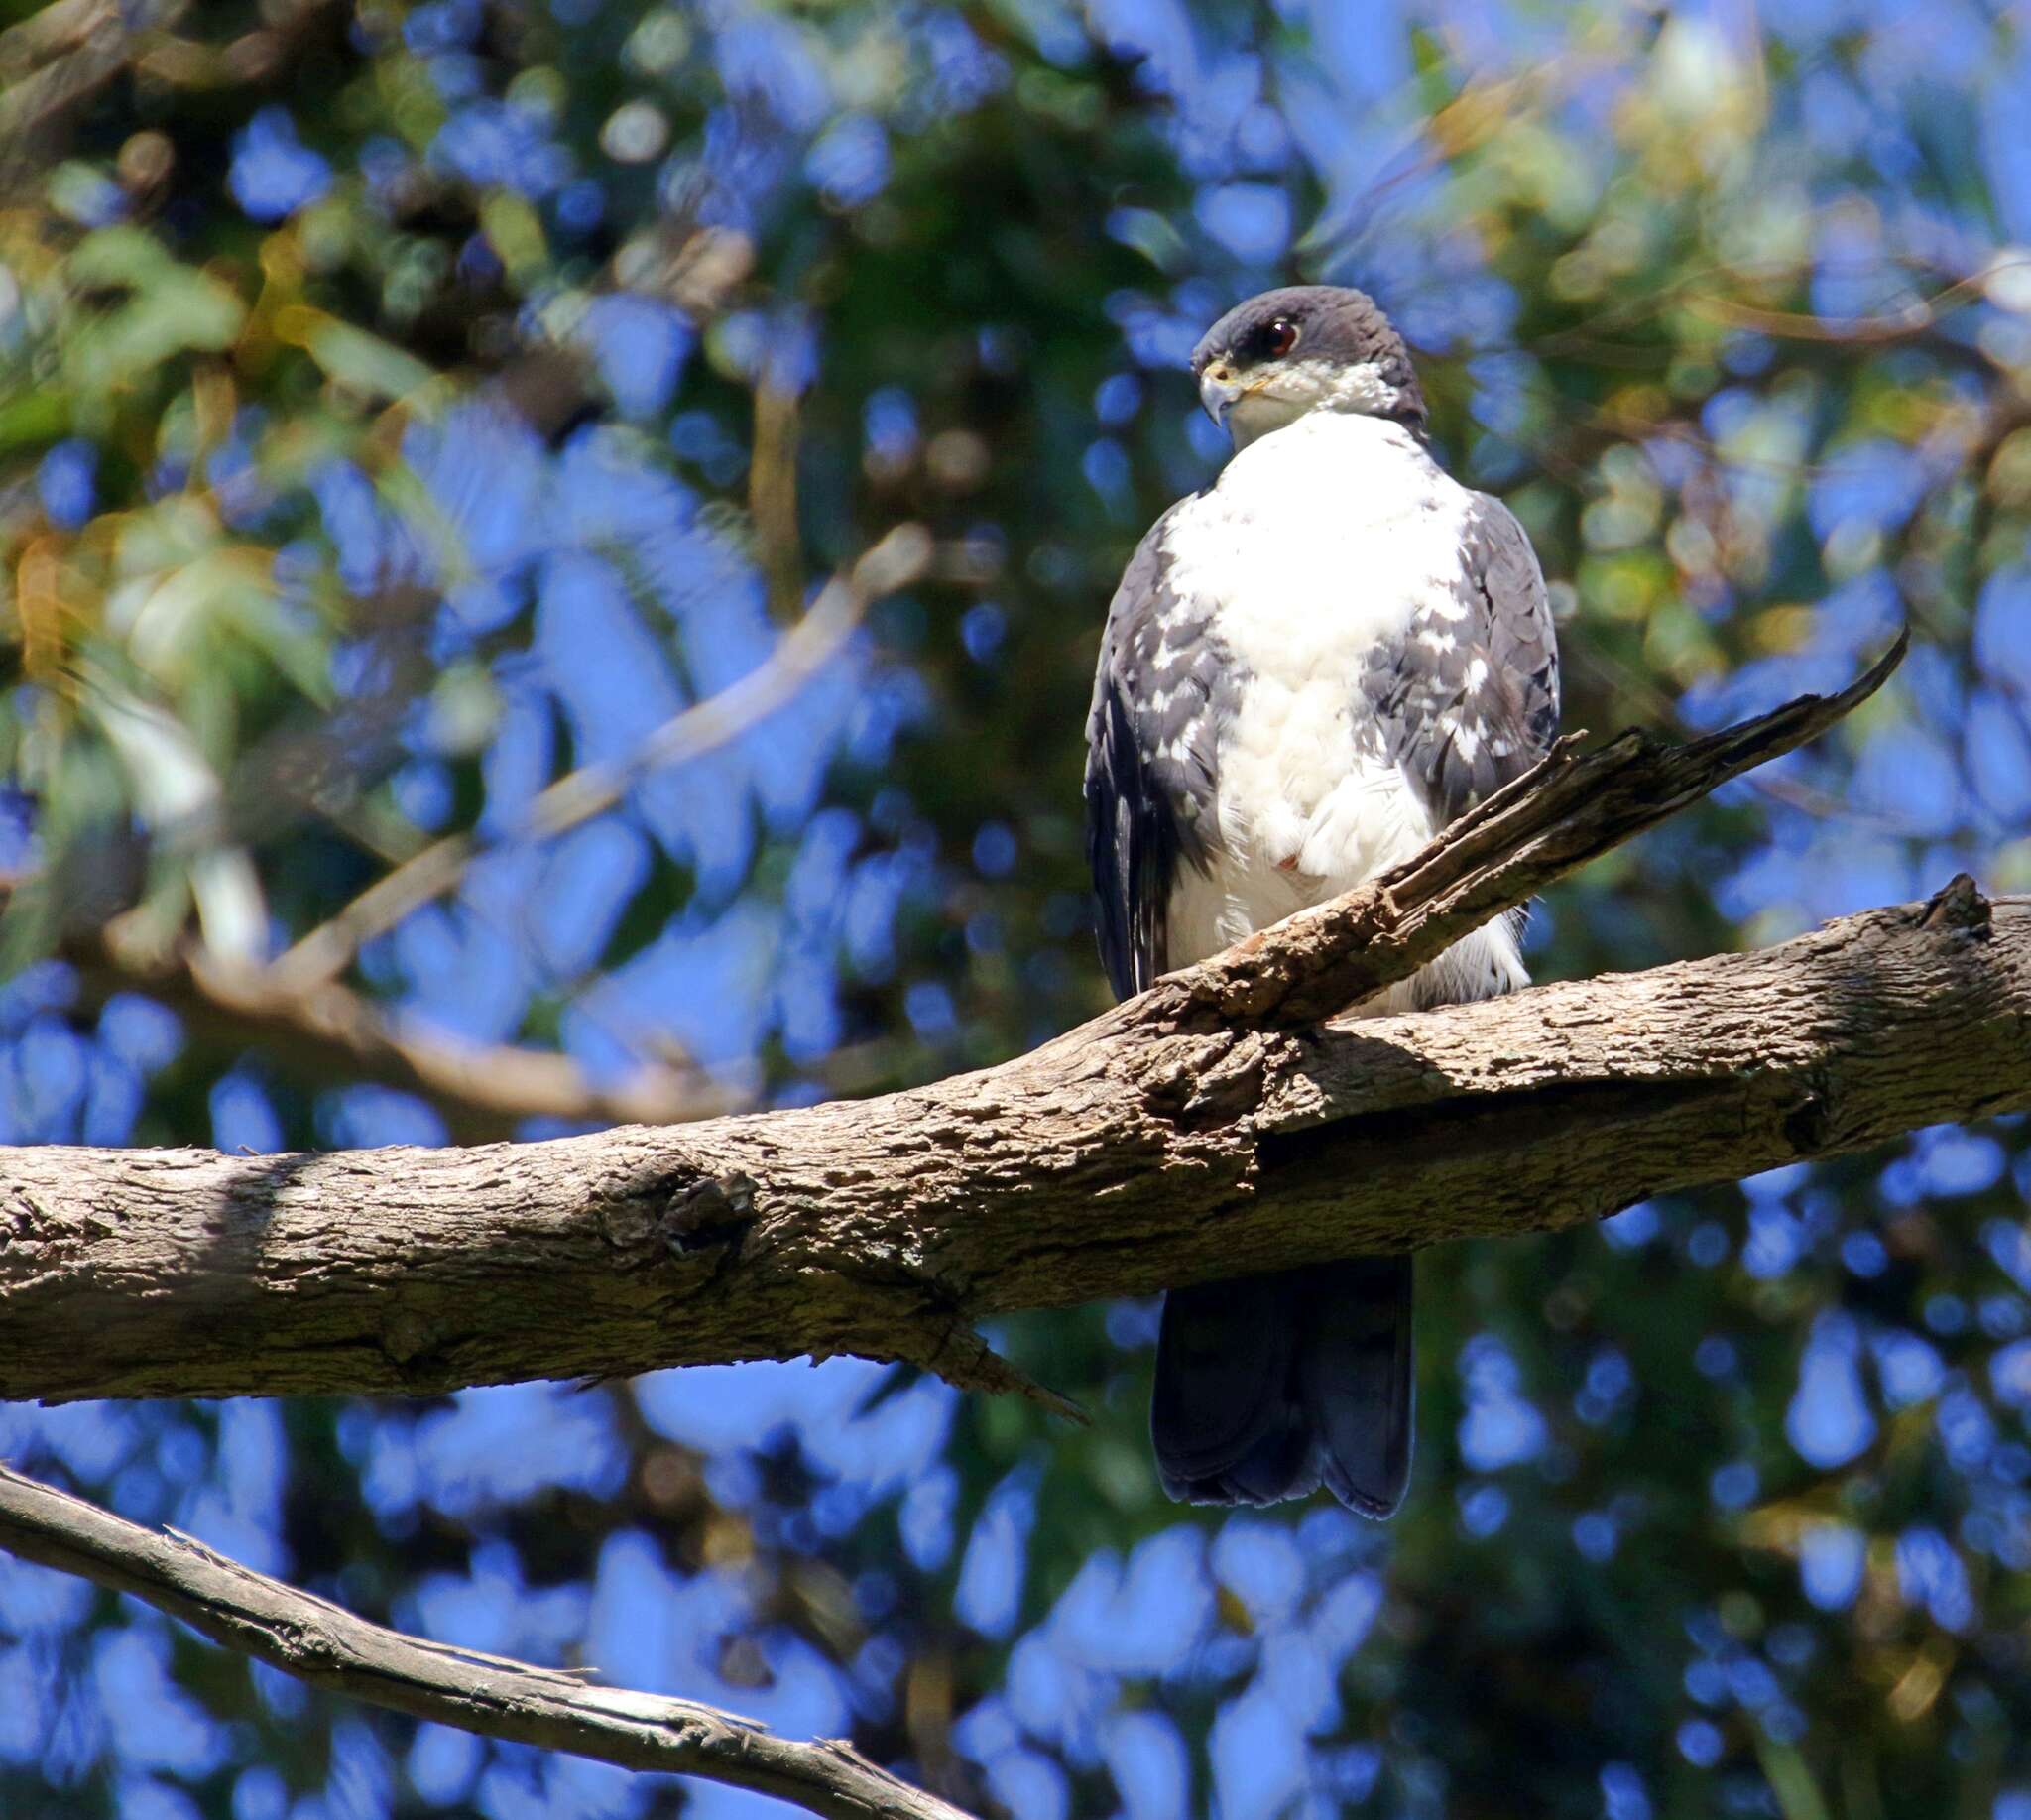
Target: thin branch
773,494
327,1646
297,1010
55,61
327,1034
898,560
1920,314
1569,809
1197,1133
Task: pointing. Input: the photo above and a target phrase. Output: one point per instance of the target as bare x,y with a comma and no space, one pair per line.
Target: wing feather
1468,698
1150,758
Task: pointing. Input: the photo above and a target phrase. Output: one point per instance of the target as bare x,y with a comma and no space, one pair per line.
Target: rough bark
1118,1160
327,1646
1207,1129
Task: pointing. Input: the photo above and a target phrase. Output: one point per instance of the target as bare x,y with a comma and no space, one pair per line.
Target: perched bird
1309,668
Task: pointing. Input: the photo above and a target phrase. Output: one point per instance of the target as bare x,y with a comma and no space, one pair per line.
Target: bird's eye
1282,338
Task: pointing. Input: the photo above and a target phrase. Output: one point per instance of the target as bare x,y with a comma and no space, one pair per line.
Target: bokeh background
402,406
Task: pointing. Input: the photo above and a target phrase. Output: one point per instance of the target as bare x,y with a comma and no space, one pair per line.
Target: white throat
1302,386
1251,419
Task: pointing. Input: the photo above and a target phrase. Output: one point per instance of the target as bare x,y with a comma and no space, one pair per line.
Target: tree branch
898,560
327,1646
1117,1161
1564,812
1164,1142
57,59
296,1009
327,1033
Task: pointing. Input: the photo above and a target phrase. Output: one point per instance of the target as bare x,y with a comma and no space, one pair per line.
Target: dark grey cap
1335,323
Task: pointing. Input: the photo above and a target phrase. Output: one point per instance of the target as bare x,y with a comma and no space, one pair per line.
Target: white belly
1213,910
1317,545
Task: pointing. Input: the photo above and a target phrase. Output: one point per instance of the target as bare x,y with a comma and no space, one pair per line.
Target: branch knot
1958,904
717,1210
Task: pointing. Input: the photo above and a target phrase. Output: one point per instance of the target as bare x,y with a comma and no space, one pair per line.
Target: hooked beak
1219,393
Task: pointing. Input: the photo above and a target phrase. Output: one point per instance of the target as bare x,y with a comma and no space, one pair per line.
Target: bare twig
327,1646
895,563
57,59
327,1034
297,1010
1920,314
773,495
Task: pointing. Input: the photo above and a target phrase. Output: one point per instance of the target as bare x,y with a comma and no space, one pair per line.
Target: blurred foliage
401,406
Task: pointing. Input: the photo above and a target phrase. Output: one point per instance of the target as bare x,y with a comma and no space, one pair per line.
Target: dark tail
1268,1386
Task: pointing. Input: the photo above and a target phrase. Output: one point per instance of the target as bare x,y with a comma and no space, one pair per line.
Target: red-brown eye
1282,338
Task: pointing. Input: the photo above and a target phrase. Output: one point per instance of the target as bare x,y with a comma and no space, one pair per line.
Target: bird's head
1306,347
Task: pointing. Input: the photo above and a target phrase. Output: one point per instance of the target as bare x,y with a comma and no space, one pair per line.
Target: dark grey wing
1150,758
1471,697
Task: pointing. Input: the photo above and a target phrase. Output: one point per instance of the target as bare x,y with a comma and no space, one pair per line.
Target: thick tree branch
1174,1139
327,1646
1116,1161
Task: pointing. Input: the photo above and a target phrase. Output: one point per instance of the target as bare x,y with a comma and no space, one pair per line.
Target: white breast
1317,545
